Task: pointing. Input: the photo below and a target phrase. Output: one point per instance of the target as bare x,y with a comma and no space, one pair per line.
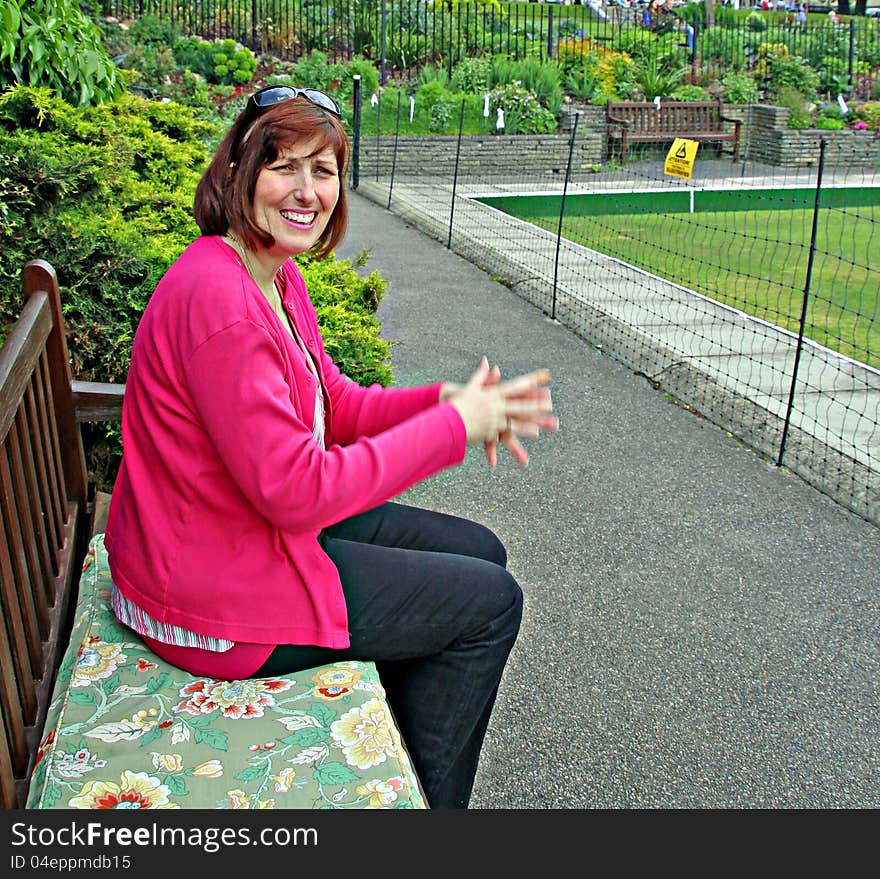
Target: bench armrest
97,401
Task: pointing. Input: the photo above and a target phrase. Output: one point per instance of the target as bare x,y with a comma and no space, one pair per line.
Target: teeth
295,217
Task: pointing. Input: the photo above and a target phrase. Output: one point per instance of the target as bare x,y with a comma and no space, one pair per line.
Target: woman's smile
295,196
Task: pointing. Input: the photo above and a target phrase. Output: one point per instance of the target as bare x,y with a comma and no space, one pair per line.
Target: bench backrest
45,512
671,116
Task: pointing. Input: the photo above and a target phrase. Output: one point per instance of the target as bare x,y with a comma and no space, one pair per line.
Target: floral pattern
126,730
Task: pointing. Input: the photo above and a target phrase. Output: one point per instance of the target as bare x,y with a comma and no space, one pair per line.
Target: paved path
701,627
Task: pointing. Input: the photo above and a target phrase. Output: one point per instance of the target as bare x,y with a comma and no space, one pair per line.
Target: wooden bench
646,122
90,717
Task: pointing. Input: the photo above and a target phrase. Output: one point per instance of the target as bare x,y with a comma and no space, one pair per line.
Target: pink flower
861,125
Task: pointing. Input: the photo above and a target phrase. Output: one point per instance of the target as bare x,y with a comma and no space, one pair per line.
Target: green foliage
523,113
799,114
637,43
829,123
582,81
756,22
439,103
868,112
740,88
346,306
834,75
52,44
471,75
104,194
315,71
690,93
542,79
222,61
783,71
358,66
655,81
150,30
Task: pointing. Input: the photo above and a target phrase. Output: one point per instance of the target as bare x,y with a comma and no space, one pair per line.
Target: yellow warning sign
680,158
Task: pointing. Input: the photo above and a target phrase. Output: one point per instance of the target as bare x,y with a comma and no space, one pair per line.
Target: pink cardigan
222,491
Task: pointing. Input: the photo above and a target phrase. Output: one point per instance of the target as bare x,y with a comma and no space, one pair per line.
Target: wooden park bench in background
90,717
648,122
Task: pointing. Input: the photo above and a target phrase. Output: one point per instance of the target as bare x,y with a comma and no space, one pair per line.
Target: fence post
382,63
254,25
455,175
574,128
852,52
378,132
356,133
803,323
550,32
394,154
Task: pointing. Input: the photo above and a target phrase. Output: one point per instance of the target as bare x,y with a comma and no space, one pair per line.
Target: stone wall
767,138
764,137
497,155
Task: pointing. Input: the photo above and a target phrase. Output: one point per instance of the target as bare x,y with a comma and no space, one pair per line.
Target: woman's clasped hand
496,411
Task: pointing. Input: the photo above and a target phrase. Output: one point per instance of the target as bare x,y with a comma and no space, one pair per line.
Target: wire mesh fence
748,291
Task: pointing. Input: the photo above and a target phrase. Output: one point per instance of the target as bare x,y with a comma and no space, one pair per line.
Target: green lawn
753,260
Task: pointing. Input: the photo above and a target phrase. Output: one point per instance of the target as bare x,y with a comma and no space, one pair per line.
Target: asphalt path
700,627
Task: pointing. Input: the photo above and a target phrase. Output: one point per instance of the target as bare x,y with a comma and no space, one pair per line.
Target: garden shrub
523,113
656,81
582,81
150,30
315,71
221,61
690,93
346,306
471,75
830,118
781,70
344,89
756,22
608,75
799,113
739,87
869,113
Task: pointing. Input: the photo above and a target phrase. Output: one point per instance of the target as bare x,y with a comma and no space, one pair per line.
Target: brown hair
224,196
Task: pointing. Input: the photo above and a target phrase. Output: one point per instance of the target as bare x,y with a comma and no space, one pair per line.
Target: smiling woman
251,531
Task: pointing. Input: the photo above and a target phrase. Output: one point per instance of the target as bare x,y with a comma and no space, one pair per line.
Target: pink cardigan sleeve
237,384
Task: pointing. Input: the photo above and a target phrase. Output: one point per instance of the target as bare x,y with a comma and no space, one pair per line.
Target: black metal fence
400,36
747,292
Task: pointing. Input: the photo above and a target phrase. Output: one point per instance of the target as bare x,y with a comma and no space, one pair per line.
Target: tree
53,44
710,13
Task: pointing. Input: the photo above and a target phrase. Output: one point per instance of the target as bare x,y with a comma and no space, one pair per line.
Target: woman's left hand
530,410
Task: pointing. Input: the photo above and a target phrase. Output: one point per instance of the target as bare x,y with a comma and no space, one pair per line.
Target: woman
650,14
251,531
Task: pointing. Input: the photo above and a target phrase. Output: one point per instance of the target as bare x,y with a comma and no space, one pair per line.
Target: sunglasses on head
277,94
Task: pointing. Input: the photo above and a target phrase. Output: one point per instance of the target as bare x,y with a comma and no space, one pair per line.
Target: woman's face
295,196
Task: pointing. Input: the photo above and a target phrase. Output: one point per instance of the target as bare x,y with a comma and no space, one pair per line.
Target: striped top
128,613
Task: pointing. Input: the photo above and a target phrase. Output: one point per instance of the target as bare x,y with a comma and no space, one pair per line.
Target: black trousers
430,601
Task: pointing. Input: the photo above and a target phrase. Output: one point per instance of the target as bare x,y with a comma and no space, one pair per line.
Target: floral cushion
126,730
